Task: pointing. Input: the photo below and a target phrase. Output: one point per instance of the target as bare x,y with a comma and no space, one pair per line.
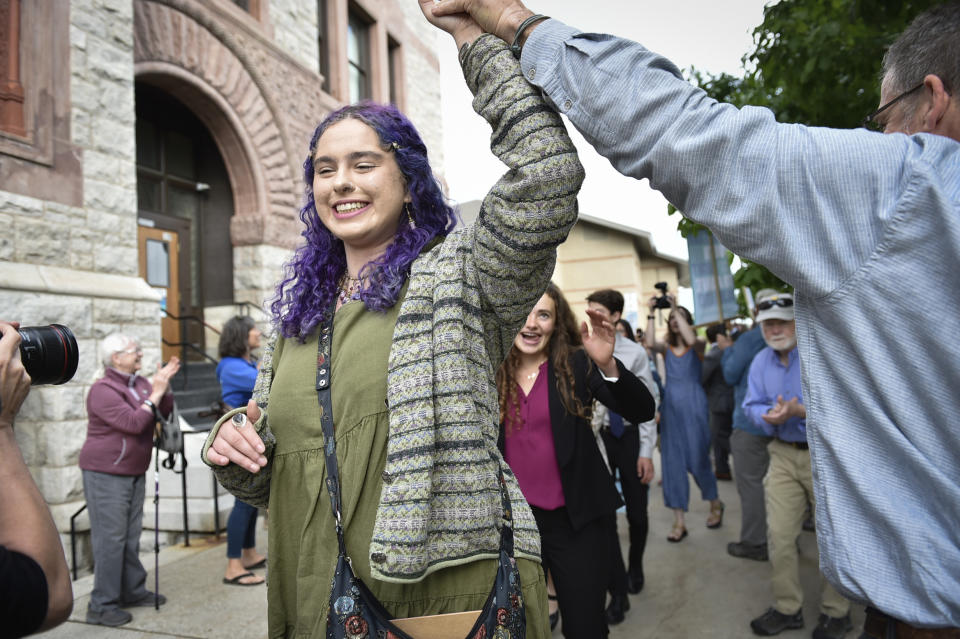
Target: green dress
302,541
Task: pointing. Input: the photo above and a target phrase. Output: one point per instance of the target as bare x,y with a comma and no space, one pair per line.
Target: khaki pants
787,488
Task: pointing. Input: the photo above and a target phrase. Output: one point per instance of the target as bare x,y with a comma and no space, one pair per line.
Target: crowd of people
470,434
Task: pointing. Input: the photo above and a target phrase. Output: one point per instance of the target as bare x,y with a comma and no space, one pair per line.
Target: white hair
114,343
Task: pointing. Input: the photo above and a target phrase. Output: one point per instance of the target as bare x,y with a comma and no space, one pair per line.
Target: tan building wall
597,256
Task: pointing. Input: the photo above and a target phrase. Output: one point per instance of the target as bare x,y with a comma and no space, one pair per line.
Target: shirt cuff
608,379
648,438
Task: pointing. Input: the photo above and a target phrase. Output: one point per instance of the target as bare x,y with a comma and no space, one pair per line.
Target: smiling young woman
405,320
547,385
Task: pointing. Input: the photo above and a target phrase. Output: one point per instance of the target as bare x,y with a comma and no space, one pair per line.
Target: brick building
150,157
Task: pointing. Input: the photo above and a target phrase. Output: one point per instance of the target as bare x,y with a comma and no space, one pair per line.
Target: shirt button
532,73
378,557
567,105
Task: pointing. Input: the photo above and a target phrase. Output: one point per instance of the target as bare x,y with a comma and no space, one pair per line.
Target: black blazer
588,487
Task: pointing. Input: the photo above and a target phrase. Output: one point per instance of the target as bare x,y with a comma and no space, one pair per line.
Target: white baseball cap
773,304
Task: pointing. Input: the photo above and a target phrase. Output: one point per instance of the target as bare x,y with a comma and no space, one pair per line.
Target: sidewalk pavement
199,605
693,589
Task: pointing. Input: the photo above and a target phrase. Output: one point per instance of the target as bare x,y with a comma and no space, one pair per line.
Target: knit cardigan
467,298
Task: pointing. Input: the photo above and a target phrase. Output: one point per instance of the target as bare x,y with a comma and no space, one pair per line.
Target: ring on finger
239,421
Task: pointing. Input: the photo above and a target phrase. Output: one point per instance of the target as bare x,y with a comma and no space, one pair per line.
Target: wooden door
159,252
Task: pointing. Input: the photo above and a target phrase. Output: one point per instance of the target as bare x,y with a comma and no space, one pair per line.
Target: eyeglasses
131,351
870,122
782,302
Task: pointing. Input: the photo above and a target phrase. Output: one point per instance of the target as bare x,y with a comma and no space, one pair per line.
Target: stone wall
295,30
103,126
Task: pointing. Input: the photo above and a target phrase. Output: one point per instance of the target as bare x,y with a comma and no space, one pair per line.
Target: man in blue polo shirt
774,403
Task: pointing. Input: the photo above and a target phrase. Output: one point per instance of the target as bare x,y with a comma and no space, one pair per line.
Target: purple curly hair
309,285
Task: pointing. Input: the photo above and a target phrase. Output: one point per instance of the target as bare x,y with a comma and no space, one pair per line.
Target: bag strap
323,385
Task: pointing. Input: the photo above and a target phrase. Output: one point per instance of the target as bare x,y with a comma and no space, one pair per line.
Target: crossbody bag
354,612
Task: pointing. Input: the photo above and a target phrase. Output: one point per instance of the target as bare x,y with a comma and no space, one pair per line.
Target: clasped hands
466,20
784,410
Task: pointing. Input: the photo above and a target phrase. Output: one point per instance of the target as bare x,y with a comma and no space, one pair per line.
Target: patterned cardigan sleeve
532,208
253,488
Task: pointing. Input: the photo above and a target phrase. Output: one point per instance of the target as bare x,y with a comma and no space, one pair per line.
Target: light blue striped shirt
867,228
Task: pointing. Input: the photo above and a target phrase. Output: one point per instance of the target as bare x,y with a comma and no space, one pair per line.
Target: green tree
814,62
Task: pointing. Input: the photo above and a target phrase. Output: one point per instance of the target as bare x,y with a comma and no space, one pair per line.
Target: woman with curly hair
684,415
421,315
554,372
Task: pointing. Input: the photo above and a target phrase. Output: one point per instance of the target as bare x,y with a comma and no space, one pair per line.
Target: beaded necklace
349,289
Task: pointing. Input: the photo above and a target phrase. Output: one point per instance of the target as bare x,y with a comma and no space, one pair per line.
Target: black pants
578,561
721,425
622,454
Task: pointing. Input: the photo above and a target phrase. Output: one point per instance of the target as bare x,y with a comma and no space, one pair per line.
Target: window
395,71
243,4
323,43
358,57
11,91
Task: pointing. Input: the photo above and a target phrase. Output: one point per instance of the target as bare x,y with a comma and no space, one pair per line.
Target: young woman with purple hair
422,316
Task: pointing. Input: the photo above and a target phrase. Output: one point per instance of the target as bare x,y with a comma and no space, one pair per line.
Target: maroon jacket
120,433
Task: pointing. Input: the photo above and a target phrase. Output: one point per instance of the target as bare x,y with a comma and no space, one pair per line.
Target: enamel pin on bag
354,611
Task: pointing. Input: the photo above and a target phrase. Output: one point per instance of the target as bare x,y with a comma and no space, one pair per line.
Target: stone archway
173,51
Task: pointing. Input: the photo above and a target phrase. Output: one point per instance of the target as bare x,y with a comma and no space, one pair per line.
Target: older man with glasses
866,227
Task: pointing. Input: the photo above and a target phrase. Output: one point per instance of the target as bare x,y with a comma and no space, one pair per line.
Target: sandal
715,520
237,581
677,533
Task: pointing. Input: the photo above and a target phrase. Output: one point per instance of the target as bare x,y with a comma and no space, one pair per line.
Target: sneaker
773,622
748,551
832,627
144,601
110,617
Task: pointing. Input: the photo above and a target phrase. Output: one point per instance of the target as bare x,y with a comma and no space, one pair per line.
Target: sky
711,36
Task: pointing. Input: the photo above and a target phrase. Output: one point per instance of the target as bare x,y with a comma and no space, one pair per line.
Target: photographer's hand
14,380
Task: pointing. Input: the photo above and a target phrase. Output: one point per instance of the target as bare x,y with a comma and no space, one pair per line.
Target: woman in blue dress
684,427
237,372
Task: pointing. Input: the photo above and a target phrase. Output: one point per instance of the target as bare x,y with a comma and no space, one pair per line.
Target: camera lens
49,353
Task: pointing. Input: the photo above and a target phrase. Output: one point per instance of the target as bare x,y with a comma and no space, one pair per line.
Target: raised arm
26,526
829,194
530,210
650,335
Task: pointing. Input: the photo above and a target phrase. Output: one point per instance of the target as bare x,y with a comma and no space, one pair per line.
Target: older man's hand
499,17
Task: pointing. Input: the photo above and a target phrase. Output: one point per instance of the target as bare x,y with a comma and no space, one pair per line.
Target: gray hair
114,343
931,44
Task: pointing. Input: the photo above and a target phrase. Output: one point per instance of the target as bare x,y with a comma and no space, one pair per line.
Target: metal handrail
192,318
245,304
73,539
193,347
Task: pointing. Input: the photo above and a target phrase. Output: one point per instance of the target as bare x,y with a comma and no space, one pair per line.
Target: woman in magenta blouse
547,386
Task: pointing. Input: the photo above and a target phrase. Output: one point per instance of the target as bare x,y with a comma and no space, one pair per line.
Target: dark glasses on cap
782,302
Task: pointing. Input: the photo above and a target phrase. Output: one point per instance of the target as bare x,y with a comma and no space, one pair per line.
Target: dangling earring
406,207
